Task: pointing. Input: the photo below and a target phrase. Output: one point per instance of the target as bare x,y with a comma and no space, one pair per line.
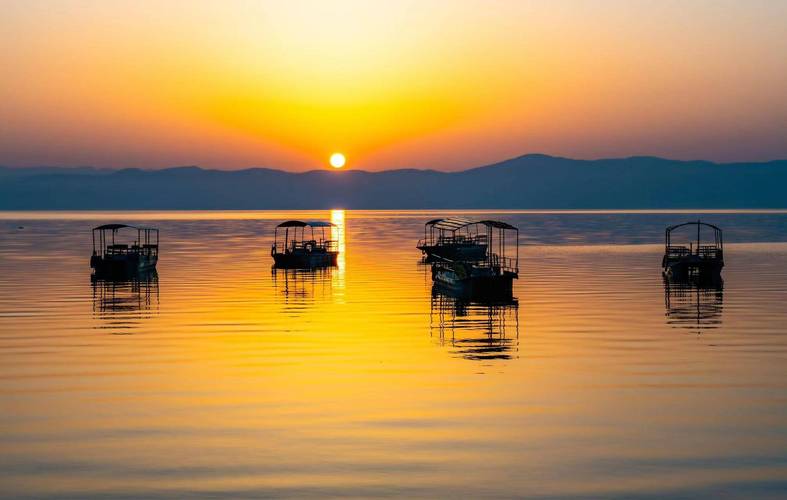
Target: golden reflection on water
338,234
243,381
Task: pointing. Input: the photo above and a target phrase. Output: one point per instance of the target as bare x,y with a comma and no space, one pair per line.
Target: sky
400,84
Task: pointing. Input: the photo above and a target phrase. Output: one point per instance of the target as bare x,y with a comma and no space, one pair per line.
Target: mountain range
527,182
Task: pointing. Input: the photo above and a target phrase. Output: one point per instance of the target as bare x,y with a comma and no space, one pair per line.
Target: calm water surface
221,378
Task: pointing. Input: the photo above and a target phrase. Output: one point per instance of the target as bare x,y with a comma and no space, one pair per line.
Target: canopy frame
292,226
147,241
694,247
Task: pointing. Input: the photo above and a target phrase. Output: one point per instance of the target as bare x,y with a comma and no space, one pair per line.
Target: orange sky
444,85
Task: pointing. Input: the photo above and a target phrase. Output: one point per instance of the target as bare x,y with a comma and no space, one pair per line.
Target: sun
337,160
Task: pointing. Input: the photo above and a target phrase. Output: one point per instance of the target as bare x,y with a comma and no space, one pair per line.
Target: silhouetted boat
298,252
111,257
491,275
453,238
697,260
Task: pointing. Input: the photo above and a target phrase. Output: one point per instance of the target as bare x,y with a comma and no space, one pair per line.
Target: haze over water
219,377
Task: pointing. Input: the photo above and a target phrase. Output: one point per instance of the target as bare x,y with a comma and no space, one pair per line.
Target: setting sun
337,160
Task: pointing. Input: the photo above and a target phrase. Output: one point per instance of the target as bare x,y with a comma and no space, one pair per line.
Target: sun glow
277,84
338,160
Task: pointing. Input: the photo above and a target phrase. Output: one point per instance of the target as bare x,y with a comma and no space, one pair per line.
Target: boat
491,275
112,257
296,251
698,260
453,238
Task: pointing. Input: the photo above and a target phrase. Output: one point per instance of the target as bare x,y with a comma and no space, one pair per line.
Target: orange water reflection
240,381
338,234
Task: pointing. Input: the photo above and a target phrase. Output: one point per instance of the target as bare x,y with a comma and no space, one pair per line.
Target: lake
220,377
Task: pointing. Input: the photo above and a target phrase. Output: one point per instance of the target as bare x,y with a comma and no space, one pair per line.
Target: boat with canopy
698,259
302,247
453,238
116,253
490,275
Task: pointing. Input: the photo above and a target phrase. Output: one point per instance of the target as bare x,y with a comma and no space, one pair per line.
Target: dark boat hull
122,265
692,267
463,295
304,260
471,281
145,276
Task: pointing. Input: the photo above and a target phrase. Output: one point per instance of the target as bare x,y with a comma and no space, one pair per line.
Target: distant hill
531,181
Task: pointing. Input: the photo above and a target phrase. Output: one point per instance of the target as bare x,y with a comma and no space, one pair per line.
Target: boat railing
309,245
703,251
117,249
458,239
504,263
709,251
496,261
678,251
123,249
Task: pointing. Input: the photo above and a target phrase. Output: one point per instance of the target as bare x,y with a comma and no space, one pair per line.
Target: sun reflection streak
338,235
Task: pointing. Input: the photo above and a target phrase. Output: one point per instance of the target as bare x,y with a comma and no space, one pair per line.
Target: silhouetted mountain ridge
529,181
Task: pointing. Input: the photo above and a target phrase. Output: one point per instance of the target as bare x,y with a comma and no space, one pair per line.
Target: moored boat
490,275
112,257
697,260
297,251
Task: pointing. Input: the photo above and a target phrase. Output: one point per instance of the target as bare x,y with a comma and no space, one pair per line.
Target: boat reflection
692,304
302,286
475,330
123,302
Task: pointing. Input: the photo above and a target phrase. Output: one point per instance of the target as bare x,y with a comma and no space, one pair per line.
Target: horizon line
28,214
421,169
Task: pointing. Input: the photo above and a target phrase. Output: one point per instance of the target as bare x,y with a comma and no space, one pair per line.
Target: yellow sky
397,84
